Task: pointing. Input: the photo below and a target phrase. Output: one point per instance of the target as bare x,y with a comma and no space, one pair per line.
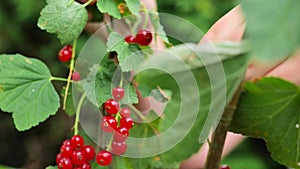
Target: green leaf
110,7
273,31
65,21
70,110
26,90
130,94
159,30
181,63
129,56
51,167
134,6
269,109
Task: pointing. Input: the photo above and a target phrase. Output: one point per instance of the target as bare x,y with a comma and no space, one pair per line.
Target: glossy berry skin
130,39
109,124
118,93
58,158
86,166
67,142
143,37
125,112
126,122
104,158
89,152
78,157
121,134
75,76
77,141
66,150
111,106
65,54
118,148
65,163
224,167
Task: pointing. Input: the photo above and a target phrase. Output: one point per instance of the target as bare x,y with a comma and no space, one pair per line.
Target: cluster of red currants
143,38
118,122
74,154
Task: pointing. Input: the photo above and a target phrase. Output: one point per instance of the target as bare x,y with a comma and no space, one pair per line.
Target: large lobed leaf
26,90
67,21
273,27
269,109
234,64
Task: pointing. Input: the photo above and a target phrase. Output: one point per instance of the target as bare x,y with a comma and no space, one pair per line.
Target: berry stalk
70,73
77,114
218,139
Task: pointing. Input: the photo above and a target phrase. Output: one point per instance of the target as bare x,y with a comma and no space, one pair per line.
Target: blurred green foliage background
37,147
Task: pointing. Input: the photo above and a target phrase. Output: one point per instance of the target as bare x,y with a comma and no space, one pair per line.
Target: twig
218,139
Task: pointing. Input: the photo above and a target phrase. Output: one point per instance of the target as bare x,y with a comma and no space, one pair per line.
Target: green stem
77,114
70,73
121,80
87,3
218,138
137,112
58,79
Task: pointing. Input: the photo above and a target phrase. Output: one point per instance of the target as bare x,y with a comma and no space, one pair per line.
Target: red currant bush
65,54
118,93
104,158
111,106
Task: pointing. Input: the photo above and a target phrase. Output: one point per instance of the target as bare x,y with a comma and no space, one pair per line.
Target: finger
230,27
288,70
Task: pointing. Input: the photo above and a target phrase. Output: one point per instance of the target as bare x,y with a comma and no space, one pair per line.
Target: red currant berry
77,141
89,152
224,167
104,158
109,124
75,76
118,93
125,112
111,106
65,54
67,142
130,39
78,157
66,150
58,158
121,134
65,163
126,122
86,166
118,148
144,37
